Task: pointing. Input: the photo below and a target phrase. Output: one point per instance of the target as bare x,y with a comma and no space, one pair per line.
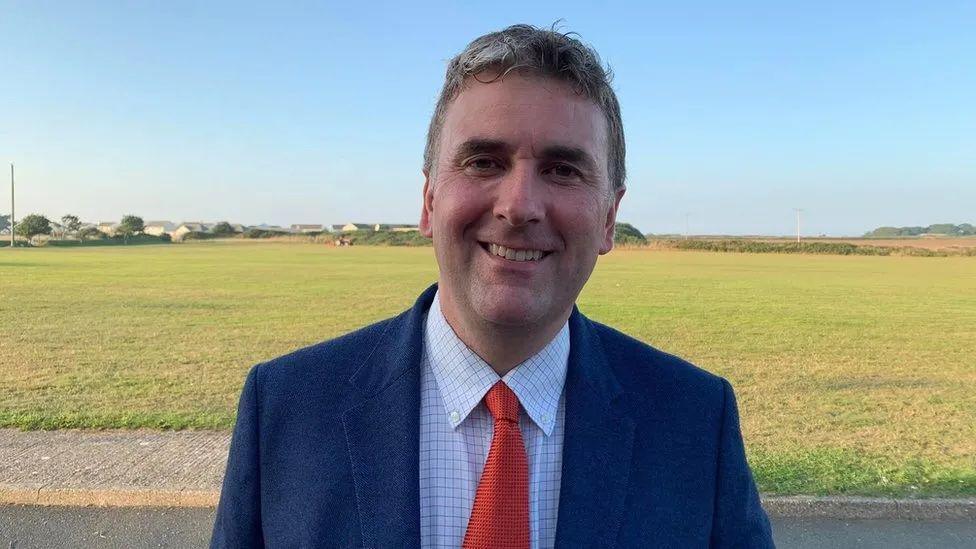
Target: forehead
530,113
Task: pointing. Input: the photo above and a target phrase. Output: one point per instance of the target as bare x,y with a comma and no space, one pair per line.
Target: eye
565,171
482,165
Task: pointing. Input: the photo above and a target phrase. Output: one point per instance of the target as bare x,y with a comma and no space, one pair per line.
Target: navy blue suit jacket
326,445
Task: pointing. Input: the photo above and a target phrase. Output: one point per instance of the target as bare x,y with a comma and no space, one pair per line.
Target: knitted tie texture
500,515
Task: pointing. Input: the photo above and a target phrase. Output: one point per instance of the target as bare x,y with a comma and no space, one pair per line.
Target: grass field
855,375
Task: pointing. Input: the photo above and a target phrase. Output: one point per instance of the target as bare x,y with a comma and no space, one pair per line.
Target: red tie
500,515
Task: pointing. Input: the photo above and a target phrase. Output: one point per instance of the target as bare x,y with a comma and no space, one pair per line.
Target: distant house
190,227
306,228
397,228
275,228
238,228
157,228
108,227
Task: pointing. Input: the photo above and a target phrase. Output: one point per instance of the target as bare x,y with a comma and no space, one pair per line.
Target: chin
509,306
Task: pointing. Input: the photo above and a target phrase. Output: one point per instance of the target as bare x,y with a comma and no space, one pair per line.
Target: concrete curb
112,468
847,508
75,497
860,508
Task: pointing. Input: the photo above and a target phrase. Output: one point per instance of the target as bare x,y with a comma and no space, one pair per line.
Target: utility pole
798,211
11,205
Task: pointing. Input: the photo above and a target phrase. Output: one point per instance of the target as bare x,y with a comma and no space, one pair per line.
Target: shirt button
455,416
546,418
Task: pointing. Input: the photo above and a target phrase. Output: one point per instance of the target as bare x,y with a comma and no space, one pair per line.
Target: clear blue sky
862,113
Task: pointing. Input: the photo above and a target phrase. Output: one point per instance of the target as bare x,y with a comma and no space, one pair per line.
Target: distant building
190,227
157,228
397,228
307,228
357,227
108,227
275,228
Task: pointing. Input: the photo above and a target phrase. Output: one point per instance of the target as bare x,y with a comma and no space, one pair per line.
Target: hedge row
134,240
387,238
827,248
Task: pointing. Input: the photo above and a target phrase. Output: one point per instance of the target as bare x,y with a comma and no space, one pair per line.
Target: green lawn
855,375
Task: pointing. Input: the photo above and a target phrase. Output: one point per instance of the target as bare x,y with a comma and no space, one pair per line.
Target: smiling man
519,204
493,413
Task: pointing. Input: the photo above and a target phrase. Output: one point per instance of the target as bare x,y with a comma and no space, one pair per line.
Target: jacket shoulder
329,363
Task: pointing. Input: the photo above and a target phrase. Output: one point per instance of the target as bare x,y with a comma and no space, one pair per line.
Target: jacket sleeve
740,521
238,521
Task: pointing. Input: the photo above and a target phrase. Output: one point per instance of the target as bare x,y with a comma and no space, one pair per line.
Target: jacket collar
383,430
463,378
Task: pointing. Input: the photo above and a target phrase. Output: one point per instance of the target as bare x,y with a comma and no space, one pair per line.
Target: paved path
184,469
137,527
72,467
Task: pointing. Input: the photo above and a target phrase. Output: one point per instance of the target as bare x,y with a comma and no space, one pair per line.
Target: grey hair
546,53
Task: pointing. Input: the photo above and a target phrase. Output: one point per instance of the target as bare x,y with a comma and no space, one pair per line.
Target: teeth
515,255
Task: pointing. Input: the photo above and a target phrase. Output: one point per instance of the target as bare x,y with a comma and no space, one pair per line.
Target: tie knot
502,402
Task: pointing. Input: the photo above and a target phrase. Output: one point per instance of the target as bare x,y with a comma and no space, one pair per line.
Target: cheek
456,207
582,220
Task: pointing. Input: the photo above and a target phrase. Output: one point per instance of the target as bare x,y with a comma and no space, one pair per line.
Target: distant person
493,413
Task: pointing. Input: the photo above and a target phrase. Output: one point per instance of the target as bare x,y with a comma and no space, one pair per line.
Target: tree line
33,225
947,229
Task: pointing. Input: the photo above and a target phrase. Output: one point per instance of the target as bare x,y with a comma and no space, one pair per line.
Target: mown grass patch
842,471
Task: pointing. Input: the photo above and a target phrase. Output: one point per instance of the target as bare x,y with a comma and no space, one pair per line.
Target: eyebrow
575,155
567,153
479,145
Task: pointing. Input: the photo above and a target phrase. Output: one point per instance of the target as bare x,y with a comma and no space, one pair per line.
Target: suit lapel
383,437
383,433
597,448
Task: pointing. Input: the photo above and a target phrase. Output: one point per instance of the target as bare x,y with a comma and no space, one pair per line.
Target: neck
503,347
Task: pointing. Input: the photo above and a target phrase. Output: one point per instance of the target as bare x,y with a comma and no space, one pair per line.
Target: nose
520,197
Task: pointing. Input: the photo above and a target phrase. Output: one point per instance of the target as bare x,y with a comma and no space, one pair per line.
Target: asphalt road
23,527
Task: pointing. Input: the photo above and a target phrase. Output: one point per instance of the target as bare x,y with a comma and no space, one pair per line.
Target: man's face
519,205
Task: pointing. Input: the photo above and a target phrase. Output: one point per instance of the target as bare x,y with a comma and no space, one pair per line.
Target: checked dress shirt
456,430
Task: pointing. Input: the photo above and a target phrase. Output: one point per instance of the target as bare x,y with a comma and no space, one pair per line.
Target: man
493,413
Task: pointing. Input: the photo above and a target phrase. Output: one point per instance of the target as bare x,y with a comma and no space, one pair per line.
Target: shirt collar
463,378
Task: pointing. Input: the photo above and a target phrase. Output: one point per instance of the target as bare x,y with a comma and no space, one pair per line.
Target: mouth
513,254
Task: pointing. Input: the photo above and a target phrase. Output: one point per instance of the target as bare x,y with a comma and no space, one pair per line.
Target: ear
427,208
611,221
